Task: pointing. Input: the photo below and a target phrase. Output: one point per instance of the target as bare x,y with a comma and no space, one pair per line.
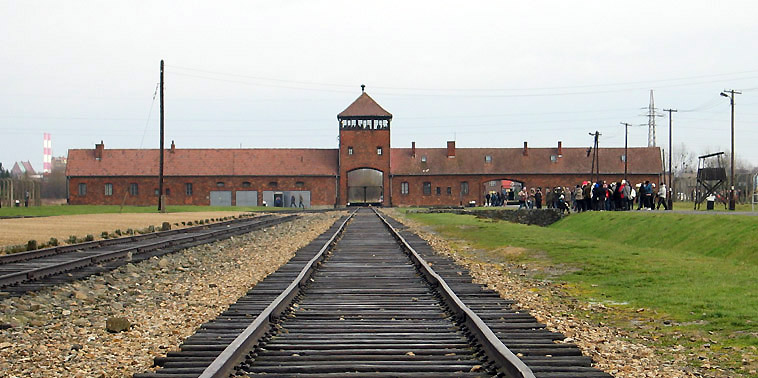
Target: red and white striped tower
47,154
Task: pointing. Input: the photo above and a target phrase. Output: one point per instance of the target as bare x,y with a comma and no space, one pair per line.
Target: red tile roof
204,162
512,161
323,162
364,106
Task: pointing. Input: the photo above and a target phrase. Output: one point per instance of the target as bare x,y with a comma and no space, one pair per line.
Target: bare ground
20,230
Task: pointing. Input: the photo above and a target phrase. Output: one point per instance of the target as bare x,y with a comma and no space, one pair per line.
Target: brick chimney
526,150
173,147
413,149
99,150
451,148
560,149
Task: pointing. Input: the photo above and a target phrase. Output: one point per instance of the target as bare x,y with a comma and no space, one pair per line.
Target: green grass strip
697,270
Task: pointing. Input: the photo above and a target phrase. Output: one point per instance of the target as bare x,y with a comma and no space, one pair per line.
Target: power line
147,121
466,89
488,93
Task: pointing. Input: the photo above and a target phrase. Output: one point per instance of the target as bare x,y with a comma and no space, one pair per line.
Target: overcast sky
276,73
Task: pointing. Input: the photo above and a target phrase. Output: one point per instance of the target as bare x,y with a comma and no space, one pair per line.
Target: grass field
696,275
42,211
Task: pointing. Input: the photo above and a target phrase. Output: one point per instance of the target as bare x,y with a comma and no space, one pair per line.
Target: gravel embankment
60,332
609,347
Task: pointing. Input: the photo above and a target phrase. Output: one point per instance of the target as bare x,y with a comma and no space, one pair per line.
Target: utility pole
731,94
626,148
161,206
671,182
596,157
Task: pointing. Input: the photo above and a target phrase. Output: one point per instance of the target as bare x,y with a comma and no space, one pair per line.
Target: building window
246,184
168,192
82,189
108,189
423,159
299,184
220,184
427,188
188,188
464,187
449,190
488,158
404,187
439,191
349,150
157,192
133,189
378,150
272,184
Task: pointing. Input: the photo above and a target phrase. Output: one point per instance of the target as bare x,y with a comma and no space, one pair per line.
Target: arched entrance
507,188
365,186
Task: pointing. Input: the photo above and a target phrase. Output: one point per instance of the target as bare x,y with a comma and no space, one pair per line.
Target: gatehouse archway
365,186
508,189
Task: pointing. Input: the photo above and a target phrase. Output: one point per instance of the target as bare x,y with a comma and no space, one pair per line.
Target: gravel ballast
610,348
61,331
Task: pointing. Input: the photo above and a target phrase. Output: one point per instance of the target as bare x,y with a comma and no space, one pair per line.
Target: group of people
598,196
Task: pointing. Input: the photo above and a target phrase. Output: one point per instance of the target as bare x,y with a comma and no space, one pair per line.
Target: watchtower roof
364,107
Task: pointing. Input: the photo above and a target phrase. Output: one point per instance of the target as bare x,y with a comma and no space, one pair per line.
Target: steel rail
32,274
235,352
44,252
492,345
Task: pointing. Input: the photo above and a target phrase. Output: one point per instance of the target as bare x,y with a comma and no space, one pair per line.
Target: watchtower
711,175
364,152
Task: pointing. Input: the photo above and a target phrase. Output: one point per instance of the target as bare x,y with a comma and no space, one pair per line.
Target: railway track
362,300
33,270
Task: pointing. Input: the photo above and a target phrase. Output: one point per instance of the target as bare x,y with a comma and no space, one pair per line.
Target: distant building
23,169
58,163
363,169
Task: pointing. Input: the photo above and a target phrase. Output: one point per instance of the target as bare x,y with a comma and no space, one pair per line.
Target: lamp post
730,95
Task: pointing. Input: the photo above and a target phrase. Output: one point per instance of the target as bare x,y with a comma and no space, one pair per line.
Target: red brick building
364,169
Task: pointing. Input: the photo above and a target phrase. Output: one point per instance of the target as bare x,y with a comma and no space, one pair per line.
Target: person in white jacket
662,197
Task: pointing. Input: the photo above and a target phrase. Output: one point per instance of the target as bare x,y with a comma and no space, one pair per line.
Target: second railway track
369,305
33,270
